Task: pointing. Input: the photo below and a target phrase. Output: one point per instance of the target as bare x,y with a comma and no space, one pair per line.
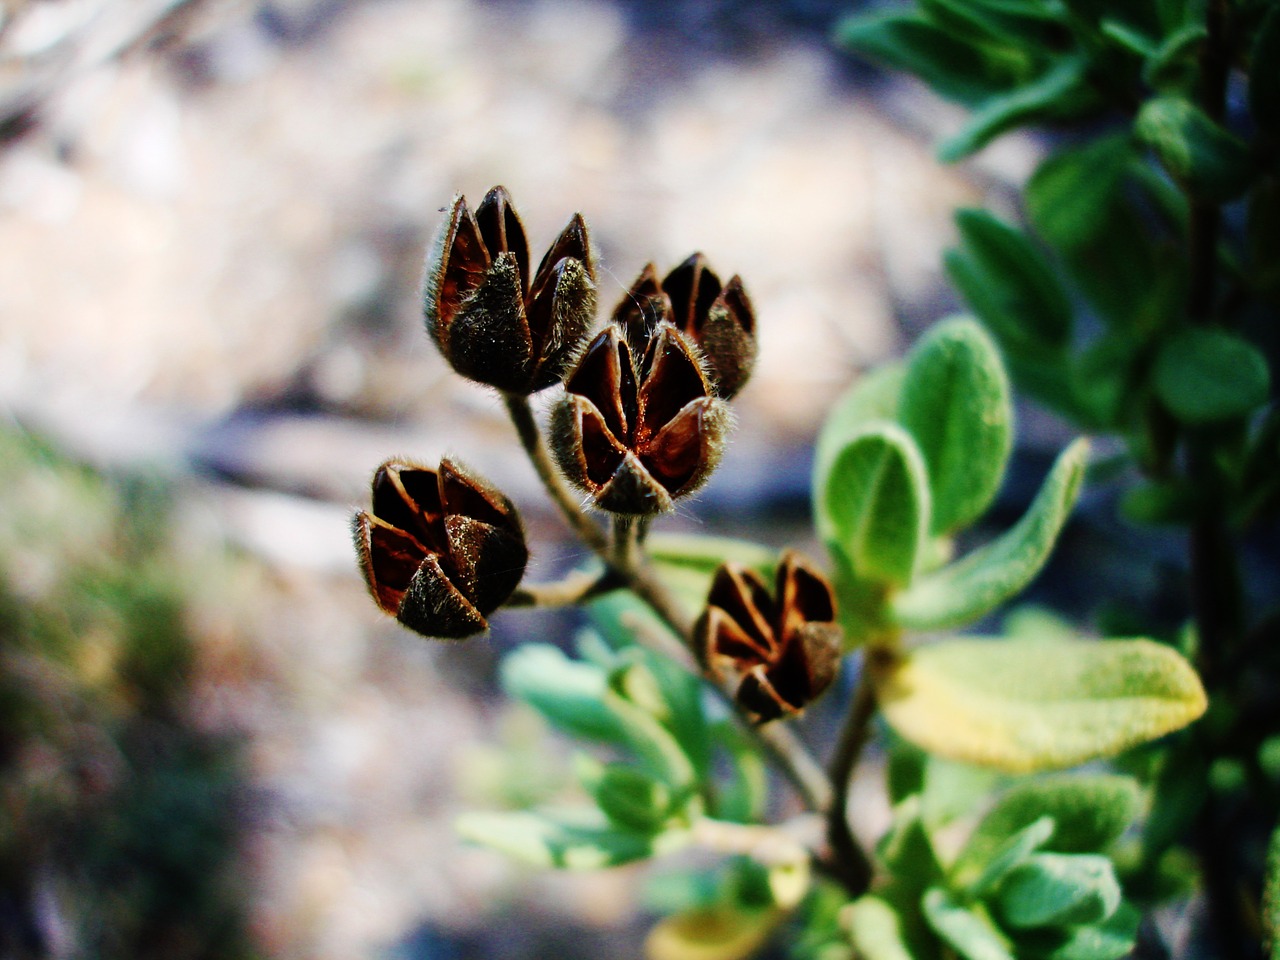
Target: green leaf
876,505
955,403
1110,940
1264,74
1024,706
954,67
569,840
1059,91
969,931
874,397
632,799
570,695
705,554
1059,889
1090,812
654,744
1069,191
987,577
906,850
1206,375
1174,65
687,564
1012,853
1009,285
1082,201
1135,41
876,930
1195,150
744,799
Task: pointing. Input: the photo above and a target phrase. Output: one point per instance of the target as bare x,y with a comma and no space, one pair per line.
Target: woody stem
576,588
626,559
852,865
561,495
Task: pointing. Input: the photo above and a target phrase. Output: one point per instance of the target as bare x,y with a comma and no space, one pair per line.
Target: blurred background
213,216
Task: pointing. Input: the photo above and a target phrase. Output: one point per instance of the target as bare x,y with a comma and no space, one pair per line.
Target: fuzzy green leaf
1089,813
1060,90
1012,853
569,694
987,577
955,403
968,930
1009,285
569,840
1059,889
873,397
1205,376
1194,149
876,505
1109,940
1030,705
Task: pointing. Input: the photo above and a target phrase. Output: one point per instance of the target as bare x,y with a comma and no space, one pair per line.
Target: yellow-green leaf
1028,705
876,929
721,932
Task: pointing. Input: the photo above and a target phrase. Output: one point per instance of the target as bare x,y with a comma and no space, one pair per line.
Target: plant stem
564,498
1216,592
573,589
851,863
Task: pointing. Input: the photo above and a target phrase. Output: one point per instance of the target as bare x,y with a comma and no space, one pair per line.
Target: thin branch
564,498
851,863
574,589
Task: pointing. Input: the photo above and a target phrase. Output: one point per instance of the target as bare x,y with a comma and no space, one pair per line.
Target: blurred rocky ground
212,222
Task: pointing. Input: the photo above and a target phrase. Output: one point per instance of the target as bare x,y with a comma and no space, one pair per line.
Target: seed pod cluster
783,650
643,419
441,549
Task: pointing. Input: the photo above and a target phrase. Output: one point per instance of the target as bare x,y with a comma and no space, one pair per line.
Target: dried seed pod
639,424
784,650
492,322
441,549
718,318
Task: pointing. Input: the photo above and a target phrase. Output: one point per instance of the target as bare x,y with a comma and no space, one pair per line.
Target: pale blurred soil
210,248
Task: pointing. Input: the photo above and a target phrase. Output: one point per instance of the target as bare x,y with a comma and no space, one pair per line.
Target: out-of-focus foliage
119,832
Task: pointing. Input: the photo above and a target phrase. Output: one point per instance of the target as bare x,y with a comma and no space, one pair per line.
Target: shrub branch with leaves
702,650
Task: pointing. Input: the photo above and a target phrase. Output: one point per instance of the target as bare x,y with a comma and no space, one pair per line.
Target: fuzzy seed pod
718,318
639,424
784,650
491,322
441,549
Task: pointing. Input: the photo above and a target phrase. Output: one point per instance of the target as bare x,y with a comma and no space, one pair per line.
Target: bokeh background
213,216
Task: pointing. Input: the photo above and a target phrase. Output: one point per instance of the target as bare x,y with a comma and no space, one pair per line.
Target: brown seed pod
441,549
784,650
718,317
491,321
639,424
